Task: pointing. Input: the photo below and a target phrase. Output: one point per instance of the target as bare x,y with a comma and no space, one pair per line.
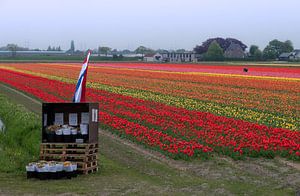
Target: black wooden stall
49,111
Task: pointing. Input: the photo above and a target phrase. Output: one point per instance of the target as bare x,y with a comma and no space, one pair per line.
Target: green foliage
181,50
255,53
270,53
258,54
288,46
117,57
253,49
104,50
214,52
19,144
282,47
276,47
53,48
143,50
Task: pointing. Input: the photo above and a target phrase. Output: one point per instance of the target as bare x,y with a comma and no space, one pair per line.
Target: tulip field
183,111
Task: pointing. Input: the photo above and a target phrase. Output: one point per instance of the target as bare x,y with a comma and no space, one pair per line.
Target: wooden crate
85,155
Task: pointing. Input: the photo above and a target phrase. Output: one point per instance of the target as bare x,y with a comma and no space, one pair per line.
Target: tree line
214,48
211,49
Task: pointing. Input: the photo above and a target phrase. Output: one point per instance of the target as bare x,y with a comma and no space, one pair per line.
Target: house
295,55
285,56
290,56
234,51
153,57
179,57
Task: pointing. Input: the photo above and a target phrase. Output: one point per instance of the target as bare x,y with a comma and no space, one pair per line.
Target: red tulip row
177,132
223,134
174,147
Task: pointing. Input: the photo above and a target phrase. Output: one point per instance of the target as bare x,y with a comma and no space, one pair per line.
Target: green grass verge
19,144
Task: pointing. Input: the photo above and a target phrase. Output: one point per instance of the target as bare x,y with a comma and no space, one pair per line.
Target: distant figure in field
245,69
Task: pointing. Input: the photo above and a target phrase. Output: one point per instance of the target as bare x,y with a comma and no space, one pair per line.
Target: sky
127,24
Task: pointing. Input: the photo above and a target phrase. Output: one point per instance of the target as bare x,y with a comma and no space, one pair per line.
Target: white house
153,57
295,55
179,57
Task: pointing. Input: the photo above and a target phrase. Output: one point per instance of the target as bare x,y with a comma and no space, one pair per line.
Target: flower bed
181,128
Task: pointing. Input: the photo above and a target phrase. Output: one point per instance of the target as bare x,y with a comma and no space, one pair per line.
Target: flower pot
85,138
59,136
73,135
59,167
67,135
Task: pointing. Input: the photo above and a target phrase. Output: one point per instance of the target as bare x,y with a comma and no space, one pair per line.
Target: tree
58,49
288,46
270,52
253,49
114,51
13,49
72,49
126,51
223,43
276,47
258,54
255,52
49,48
214,52
115,56
180,50
161,51
143,50
104,50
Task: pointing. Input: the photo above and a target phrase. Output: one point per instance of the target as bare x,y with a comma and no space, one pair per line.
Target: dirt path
277,173
156,156
20,98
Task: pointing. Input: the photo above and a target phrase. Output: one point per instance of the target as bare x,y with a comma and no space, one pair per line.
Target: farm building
295,55
179,57
285,56
234,51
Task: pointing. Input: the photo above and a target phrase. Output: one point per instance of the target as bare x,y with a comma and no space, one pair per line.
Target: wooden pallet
68,149
86,165
69,157
77,146
85,155
89,170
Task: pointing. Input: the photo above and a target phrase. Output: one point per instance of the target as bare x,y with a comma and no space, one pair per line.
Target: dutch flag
79,95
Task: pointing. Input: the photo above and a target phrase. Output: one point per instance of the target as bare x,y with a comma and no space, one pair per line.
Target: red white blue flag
79,95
